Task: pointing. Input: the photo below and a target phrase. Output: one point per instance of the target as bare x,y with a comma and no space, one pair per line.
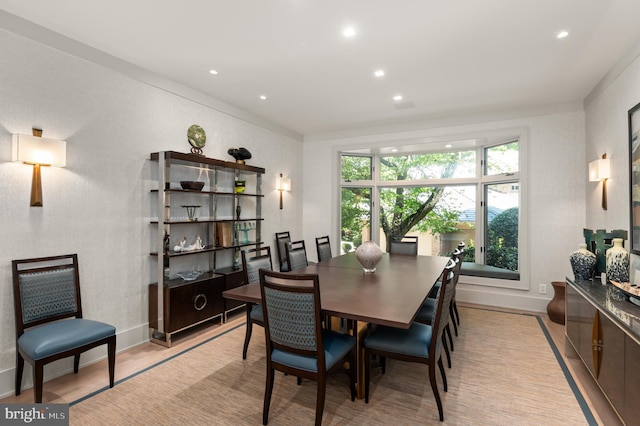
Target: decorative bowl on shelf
191,184
189,275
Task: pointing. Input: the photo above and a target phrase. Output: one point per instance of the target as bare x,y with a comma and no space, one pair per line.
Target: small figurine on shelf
238,211
236,260
180,245
240,154
195,246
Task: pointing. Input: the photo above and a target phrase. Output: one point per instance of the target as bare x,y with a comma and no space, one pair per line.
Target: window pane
441,217
502,229
501,159
355,218
355,168
428,166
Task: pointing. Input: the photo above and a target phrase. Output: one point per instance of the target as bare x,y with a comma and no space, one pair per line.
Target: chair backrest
445,296
253,260
324,248
404,245
291,309
45,289
282,238
296,255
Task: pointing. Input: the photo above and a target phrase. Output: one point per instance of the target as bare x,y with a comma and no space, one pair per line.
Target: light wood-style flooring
94,377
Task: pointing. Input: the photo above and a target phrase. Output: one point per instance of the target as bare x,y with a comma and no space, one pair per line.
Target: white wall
99,205
555,186
607,131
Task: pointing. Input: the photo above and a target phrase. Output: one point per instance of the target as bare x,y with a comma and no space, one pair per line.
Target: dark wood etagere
199,233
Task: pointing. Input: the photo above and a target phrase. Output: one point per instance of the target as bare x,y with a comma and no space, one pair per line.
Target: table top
390,296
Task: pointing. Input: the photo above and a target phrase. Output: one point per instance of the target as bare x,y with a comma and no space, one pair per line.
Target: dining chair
404,245
458,253
45,291
282,238
296,255
323,248
419,343
253,260
296,342
427,310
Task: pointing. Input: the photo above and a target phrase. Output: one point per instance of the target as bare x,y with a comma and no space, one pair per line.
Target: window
469,195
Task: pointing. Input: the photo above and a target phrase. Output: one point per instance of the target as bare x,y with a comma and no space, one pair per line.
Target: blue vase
583,263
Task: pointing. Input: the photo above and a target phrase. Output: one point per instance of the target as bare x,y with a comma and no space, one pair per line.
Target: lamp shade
36,150
599,169
283,183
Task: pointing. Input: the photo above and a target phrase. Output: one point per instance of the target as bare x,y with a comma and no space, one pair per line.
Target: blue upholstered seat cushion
49,339
427,311
256,313
414,342
336,347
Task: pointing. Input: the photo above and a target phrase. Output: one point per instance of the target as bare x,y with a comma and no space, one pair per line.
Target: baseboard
124,340
487,297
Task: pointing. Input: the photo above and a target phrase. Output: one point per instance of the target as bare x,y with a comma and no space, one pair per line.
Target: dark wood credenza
603,330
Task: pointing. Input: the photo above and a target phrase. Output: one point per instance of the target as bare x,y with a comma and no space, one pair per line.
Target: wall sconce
600,170
39,152
283,184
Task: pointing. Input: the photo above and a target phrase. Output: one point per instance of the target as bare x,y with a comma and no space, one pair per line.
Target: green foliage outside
502,250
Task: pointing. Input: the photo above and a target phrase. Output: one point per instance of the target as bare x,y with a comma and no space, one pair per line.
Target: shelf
201,160
203,220
222,193
209,249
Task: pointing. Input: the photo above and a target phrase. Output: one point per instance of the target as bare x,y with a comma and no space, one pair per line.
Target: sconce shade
599,169
38,152
282,184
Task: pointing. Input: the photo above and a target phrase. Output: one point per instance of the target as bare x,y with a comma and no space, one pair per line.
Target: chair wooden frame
282,238
250,259
48,319
407,244
434,351
323,248
296,250
301,284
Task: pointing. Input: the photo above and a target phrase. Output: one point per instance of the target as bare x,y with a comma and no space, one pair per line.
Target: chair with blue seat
404,245
296,342
426,312
296,255
419,343
253,260
282,238
323,247
49,322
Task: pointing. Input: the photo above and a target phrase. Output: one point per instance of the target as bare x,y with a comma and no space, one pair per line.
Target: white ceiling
445,57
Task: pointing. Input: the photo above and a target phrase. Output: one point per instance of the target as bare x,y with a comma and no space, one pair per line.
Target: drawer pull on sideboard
196,299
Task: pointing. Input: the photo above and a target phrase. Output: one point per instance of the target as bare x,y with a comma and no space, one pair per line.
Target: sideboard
603,330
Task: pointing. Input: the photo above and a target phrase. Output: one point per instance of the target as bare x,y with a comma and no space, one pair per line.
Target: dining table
390,296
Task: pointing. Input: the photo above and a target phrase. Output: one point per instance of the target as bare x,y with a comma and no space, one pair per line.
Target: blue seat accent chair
296,342
282,238
296,254
252,261
419,343
46,294
323,247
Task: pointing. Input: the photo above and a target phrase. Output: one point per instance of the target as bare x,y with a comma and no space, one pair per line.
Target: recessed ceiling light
562,34
213,72
448,145
397,98
349,32
394,150
379,73
263,97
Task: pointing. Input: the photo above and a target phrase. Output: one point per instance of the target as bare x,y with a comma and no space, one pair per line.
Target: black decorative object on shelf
240,154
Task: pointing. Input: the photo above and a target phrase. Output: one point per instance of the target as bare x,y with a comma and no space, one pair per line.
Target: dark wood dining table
392,295
389,296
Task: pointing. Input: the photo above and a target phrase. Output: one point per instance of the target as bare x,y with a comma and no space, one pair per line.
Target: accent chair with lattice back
253,260
49,322
323,247
296,342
